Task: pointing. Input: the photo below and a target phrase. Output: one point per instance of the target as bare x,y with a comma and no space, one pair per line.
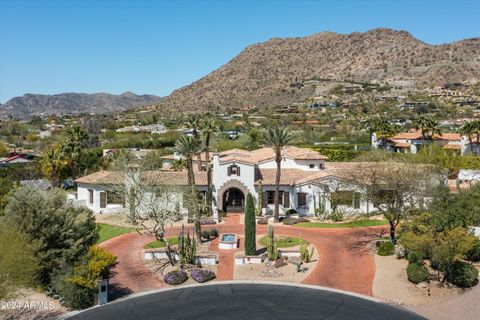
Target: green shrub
417,273
70,294
213,233
290,211
206,235
463,275
474,254
336,216
415,257
250,230
386,249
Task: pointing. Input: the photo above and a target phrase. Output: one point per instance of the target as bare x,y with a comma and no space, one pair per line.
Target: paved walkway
344,259
226,258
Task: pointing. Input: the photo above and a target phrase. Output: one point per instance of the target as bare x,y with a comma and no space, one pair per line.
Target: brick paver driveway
345,262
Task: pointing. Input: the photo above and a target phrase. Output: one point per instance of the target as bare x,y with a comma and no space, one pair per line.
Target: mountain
73,103
272,73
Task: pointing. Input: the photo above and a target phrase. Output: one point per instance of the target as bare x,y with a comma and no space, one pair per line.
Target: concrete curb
214,283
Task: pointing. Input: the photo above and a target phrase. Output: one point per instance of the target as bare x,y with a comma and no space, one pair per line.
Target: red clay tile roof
268,154
159,177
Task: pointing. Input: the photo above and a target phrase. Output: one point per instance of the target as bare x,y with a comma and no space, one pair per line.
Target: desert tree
394,188
278,138
152,205
60,232
16,249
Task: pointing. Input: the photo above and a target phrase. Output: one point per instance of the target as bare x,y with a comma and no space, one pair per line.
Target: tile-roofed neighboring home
448,136
302,153
159,177
203,156
417,134
102,177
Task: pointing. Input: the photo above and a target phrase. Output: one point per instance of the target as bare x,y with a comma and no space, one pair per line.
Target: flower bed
202,275
175,277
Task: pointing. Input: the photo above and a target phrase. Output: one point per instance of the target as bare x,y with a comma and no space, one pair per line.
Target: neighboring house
45,134
150,128
40,184
135,152
307,183
466,178
412,142
16,158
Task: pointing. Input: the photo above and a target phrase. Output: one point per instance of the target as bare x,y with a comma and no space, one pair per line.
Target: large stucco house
308,183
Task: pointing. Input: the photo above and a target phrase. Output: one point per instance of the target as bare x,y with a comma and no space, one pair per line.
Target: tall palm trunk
478,143
199,161
276,215
192,199
209,173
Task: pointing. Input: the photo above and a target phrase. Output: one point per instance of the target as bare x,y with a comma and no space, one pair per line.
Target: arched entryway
233,200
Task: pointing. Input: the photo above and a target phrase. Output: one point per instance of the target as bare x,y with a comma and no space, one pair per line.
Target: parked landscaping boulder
202,275
417,273
262,221
175,277
207,221
292,221
400,251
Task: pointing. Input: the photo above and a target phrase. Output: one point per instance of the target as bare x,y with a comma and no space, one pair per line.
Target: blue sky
157,46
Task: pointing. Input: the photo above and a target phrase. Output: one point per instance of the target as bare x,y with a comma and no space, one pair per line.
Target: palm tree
193,122
53,164
72,147
427,126
209,128
278,138
188,147
382,128
470,129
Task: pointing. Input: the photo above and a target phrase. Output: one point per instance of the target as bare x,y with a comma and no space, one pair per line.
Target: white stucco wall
294,164
220,176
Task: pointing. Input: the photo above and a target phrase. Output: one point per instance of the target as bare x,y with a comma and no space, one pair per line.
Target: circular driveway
245,301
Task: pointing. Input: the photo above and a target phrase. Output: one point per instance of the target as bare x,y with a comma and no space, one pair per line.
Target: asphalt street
245,301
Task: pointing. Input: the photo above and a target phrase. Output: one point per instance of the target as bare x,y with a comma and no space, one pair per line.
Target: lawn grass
160,244
107,231
283,242
352,224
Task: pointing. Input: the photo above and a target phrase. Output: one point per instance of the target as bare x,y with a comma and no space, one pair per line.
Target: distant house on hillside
16,158
412,142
